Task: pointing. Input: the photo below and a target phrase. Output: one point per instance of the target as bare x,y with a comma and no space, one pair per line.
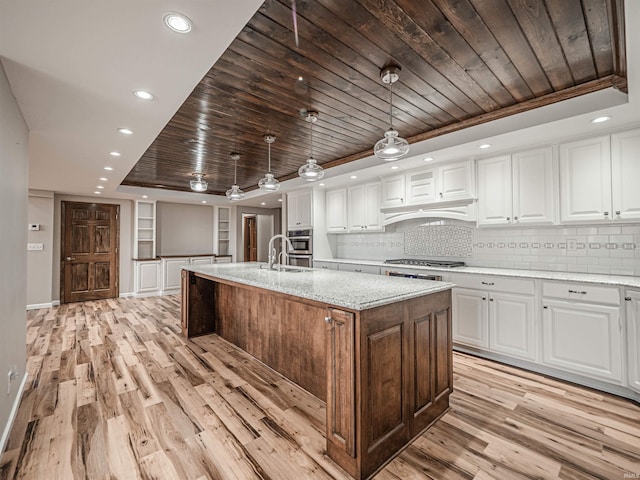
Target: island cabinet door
341,415
432,379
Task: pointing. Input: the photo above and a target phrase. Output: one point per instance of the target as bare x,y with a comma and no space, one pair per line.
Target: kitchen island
376,349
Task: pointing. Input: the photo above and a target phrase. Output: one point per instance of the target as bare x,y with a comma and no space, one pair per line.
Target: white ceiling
73,66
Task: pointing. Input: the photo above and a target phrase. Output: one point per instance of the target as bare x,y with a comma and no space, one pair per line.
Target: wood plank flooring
114,391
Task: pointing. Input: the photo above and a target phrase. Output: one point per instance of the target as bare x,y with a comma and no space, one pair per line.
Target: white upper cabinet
535,187
336,205
454,181
393,191
585,180
299,209
518,189
421,186
363,212
494,191
625,173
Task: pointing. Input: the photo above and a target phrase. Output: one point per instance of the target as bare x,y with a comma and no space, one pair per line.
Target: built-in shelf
145,229
222,230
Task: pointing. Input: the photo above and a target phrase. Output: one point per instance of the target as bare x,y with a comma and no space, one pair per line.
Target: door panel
89,253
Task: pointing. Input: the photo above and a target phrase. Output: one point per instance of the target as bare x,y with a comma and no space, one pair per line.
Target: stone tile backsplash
592,249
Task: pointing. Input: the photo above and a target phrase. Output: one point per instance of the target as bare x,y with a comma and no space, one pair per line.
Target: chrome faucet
272,250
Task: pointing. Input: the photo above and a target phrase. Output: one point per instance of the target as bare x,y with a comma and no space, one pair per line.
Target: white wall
239,212
184,229
40,262
14,168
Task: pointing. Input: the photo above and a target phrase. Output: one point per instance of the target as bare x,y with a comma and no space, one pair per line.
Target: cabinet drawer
581,292
352,267
493,283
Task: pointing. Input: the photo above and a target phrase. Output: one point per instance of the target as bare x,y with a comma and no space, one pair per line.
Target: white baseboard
55,303
12,415
127,295
38,306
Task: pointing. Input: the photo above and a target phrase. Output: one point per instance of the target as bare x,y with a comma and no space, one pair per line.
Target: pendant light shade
392,146
198,184
269,183
311,171
234,193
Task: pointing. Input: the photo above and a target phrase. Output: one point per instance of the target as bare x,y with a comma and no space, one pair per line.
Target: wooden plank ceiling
463,62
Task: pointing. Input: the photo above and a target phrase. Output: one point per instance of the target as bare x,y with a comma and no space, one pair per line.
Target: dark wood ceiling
464,62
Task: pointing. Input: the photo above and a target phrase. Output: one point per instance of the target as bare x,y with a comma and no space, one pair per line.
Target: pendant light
311,171
234,193
269,183
391,147
198,184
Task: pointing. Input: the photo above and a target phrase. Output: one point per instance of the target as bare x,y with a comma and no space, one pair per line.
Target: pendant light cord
235,171
390,103
269,147
311,131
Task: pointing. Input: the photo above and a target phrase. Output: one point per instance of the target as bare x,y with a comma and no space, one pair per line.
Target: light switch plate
35,246
34,226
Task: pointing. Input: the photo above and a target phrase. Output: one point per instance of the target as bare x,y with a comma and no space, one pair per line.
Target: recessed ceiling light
142,94
353,176
103,179
320,184
97,193
394,167
108,168
281,199
428,159
177,22
145,196
100,186
262,203
485,145
114,154
203,201
600,119
125,131
300,78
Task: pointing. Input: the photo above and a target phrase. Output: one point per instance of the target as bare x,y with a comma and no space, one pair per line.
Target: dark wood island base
384,372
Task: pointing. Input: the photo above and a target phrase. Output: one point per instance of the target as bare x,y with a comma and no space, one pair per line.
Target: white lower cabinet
470,317
354,267
583,338
171,268
632,298
511,325
147,276
325,265
496,321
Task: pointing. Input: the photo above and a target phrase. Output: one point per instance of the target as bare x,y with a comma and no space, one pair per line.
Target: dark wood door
89,255
250,239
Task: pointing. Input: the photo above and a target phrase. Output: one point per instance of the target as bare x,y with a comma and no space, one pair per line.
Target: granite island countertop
594,278
355,291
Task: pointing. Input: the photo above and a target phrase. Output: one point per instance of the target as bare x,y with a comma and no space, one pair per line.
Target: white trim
12,415
55,303
37,306
127,295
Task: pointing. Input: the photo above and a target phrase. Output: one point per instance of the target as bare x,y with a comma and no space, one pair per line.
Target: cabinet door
171,268
354,267
341,415
336,210
534,187
454,182
511,325
373,218
585,180
583,338
147,277
633,343
421,186
202,260
625,172
470,317
299,209
393,191
494,191
356,209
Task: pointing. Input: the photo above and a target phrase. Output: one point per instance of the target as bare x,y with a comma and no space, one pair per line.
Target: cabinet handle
357,270
515,219
545,306
328,319
606,214
491,299
487,283
440,194
628,299
484,298
618,212
508,219
576,291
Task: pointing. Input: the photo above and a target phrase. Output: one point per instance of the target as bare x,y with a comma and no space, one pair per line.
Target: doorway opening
257,230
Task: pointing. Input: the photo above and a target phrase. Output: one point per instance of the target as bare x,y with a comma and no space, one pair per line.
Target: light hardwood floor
114,391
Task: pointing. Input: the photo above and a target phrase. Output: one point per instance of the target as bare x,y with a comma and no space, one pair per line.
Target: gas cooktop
425,263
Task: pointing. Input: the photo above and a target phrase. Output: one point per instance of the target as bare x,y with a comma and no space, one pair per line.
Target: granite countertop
356,291
594,278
